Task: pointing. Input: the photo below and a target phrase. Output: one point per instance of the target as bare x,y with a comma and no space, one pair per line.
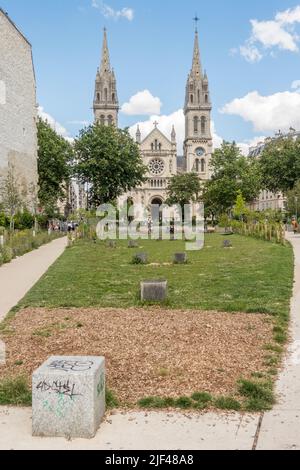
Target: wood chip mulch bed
149,352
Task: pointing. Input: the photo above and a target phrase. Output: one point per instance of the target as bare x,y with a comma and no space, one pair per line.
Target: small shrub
152,402
7,254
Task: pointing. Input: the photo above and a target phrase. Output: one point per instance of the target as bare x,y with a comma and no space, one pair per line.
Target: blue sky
151,45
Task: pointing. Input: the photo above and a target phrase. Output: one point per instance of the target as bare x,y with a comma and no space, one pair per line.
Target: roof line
15,26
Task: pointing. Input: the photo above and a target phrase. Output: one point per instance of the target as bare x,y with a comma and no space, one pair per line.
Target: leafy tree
184,189
232,172
11,194
280,164
55,156
240,207
293,200
108,160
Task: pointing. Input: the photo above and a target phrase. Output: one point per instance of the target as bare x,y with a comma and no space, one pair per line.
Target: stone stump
68,397
154,291
227,244
180,258
133,244
140,258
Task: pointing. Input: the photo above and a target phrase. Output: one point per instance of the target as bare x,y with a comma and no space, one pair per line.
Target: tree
184,189
280,164
10,194
293,200
232,172
55,156
240,208
108,160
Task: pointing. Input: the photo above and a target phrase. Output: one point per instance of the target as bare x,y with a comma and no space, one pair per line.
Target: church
159,152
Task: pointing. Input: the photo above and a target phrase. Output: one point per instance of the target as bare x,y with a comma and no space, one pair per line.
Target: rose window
156,167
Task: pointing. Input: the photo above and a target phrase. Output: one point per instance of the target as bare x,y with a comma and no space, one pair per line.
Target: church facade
159,152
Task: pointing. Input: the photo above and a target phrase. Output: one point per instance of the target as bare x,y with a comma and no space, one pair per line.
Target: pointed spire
138,135
196,67
105,62
173,134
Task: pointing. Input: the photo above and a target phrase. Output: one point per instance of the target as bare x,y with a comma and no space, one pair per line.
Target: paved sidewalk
17,277
280,428
139,431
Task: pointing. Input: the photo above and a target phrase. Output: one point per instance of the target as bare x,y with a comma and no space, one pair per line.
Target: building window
197,165
203,125
202,166
192,99
98,97
110,120
152,147
199,96
195,124
113,97
206,98
102,120
105,94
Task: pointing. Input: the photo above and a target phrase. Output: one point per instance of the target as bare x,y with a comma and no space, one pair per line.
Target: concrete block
154,291
68,397
180,258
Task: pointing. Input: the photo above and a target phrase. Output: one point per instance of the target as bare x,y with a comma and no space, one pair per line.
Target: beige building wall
18,110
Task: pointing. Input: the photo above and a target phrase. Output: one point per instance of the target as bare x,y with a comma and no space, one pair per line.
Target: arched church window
195,124
197,165
98,97
102,119
192,99
159,147
203,125
156,144
152,147
206,98
198,96
105,94
110,120
113,97
202,166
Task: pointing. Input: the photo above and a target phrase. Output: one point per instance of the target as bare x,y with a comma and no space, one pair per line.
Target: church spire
106,104
196,67
105,61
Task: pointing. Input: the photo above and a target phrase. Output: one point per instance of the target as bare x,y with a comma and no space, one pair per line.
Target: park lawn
253,277
191,352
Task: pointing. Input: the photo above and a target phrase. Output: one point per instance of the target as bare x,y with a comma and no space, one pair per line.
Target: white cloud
296,85
79,123
142,103
109,12
267,113
250,52
61,130
278,33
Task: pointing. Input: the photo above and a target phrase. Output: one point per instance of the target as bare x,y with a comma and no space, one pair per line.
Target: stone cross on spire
105,62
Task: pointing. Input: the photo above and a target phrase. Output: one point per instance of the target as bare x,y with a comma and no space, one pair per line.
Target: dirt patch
148,352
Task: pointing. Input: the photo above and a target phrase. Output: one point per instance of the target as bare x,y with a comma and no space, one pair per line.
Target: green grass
260,395
255,276
15,392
